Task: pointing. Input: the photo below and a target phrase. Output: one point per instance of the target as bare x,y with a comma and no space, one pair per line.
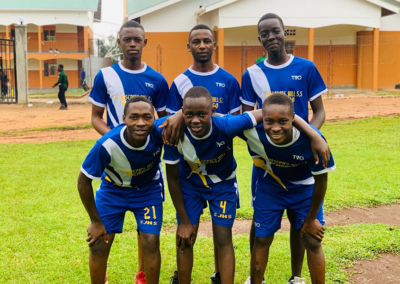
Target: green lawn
73,93
44,222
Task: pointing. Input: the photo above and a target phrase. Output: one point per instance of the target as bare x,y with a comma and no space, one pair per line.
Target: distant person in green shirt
63,82
262,58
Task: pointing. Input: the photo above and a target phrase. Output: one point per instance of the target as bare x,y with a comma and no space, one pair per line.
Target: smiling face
271,35
139,120
201,45
277,121
197,113
132,40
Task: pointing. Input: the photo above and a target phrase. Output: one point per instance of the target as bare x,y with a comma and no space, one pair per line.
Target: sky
111,19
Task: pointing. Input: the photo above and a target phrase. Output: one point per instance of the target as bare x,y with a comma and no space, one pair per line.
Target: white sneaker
248,281
297,280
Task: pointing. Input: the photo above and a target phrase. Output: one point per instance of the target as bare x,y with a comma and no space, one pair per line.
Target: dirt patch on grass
16,117
383,214
384,270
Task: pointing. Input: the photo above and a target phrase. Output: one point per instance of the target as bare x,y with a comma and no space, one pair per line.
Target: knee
99,248
150,243
223,239
311,244
263,242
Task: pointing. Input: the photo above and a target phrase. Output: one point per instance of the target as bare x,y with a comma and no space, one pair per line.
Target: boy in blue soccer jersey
299,79
223,87
114,85
126,159
288,179
202,169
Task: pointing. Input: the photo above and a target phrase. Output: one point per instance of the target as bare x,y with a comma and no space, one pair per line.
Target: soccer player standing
126,159
300,80
224,88
130,77
288,179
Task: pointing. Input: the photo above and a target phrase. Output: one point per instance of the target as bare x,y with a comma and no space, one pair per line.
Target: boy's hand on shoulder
313,228
320,147
173,129
96,230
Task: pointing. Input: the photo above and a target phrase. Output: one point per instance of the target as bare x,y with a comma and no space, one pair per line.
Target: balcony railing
59,45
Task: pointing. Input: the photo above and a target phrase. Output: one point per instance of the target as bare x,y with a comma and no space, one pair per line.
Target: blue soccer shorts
270,203
222,204
112,205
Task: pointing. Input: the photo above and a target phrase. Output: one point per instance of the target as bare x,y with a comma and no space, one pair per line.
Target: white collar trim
216,68
295,137
205,136
128,145
133,71
279,66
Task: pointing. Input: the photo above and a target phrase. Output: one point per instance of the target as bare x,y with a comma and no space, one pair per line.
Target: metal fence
8,76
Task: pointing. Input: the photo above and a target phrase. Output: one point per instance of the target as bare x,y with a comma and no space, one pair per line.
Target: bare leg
151,257
297,249
226,256
140,253
315,259
98,256
216,259
259,258
252,235
185,261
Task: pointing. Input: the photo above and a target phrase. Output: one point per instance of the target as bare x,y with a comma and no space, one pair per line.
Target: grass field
44,222
73,93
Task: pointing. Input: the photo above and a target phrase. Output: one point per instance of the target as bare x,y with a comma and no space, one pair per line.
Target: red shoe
140,278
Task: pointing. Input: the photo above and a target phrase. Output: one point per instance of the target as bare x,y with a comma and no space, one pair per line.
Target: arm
247,108
97,120
318,144
96,228
162,113
318,117
311,225
185,232
58,82
174,129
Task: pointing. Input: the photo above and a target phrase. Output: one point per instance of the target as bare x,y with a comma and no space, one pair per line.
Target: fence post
21,63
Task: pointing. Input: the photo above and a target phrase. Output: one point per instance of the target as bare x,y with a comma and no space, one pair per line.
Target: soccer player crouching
126,159
291,180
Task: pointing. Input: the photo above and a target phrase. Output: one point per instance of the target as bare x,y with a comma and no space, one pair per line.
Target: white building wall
310,13
66,29
390,23
42,18
69,64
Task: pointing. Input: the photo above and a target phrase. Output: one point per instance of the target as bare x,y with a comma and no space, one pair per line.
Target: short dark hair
200,27
278,98
198,92
271,16
135,100
131,24
61,66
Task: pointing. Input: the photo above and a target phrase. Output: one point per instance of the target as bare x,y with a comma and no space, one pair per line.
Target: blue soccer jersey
114,85
205,163
283,167
298,78
119,165
223,87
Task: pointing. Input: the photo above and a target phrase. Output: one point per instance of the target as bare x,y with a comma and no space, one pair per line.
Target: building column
21,59
311,44
85,40
41,74
375,62
359,60
7,36
221,47
125,16
39,31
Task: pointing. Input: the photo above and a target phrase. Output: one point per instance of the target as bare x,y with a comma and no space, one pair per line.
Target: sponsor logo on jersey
296,77
222,85
149,85
157,152
297,157
219,144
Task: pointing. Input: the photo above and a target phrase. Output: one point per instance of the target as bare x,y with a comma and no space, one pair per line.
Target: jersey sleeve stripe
169,162
89,175
234,110
161,108
96,103
253,119
248,103
317,95
324,170
171,111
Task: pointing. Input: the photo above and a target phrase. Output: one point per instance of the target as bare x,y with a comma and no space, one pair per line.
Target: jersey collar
121,134
204,73
132,71
295,137
279,66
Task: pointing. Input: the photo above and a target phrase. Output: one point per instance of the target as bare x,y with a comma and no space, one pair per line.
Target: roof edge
152,9
387,6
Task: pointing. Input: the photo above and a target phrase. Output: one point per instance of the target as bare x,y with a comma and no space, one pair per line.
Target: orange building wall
49,81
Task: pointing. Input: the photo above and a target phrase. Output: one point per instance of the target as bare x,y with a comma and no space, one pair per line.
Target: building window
49,34
290,32
49,69
289,47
